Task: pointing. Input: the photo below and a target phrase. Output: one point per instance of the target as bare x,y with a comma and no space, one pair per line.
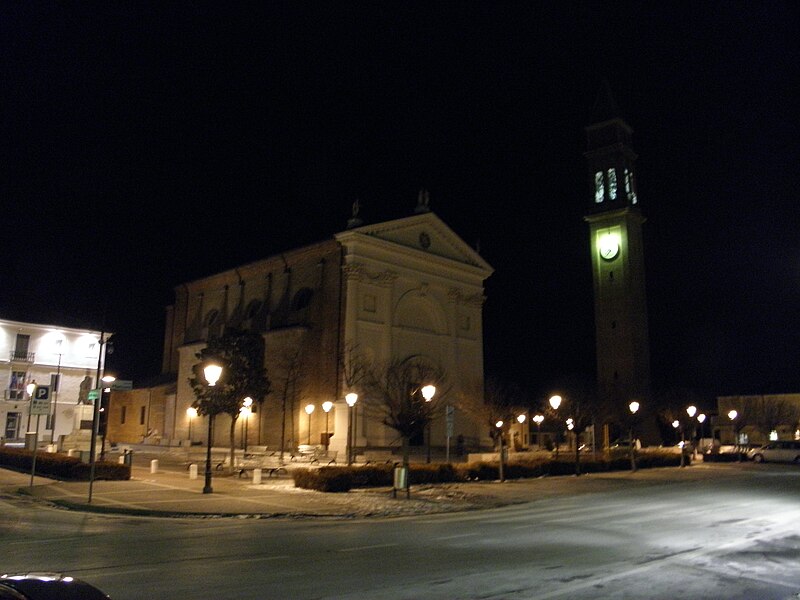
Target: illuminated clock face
608,245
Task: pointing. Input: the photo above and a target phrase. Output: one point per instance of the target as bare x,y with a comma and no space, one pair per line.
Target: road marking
359,548
570,591
459,535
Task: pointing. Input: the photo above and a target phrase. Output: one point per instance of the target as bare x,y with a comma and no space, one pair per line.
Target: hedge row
342,479
59,466
726,457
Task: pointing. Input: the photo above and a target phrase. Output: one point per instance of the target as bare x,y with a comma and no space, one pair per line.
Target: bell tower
615,242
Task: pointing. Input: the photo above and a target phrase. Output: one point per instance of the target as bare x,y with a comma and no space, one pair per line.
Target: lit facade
63,358
398,289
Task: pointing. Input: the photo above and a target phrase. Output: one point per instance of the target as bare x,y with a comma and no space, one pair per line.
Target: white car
778,451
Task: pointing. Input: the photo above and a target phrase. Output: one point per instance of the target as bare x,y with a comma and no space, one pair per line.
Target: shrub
59,466
324,479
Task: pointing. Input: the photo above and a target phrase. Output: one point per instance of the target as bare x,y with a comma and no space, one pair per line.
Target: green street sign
94,395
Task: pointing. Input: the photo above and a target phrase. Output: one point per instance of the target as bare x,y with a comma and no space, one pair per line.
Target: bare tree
395,394
494,406
288,377
769,413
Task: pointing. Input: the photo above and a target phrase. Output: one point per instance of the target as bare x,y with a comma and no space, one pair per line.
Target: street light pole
538,420
96,417
732,416
213,373
427,393
327,406
555,402
634,408
502,472
351,400
309,410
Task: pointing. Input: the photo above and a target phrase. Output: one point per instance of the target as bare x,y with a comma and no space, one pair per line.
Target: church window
599,192
211,317
253,309
612,184
123,414
302,299
629,187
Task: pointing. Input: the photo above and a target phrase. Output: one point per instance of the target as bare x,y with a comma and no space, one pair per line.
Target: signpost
40,405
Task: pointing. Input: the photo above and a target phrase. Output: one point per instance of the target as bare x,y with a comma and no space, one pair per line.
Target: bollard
256,475
192,471
51,449
154,465
73,452
121,460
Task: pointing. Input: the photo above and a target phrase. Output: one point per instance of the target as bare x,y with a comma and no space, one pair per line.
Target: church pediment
425,233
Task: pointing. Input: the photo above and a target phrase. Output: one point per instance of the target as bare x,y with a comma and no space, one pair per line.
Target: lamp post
213,373
31,389
732,416
96,417
309,410
104,417
521,419
428,392
692,411
502,473
555,402
191,413
701,418
634,408
327,406
247,405
351,400
676,424
538,420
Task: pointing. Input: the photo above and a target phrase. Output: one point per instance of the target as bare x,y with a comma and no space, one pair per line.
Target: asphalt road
713,532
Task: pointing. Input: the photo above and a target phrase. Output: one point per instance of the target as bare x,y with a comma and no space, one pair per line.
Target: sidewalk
170,493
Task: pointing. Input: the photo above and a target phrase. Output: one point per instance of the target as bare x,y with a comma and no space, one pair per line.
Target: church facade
406,288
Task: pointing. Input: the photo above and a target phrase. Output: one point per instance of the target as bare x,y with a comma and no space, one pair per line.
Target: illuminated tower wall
615,234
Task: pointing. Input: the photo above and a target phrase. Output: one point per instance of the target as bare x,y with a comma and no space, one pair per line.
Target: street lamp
31,389
191,413
109,379
351,400
701,418
212,373
692,411
676,424
309,410
732,416
245,413
555,402
538,420
521,419
427,393
327,406
499,426
634,408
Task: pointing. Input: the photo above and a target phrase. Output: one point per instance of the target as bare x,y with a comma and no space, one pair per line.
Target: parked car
46,586
777,451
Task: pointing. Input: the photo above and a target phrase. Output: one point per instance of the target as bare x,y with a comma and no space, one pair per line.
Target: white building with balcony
64,358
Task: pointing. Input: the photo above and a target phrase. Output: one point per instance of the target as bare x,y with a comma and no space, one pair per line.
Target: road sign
93,395
40,403
122,384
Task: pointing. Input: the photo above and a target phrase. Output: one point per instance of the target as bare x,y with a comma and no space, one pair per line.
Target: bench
250,462
314,454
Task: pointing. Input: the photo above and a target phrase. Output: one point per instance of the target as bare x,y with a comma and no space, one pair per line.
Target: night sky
145,145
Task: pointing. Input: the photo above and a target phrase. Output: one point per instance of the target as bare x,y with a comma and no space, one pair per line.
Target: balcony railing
25,357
